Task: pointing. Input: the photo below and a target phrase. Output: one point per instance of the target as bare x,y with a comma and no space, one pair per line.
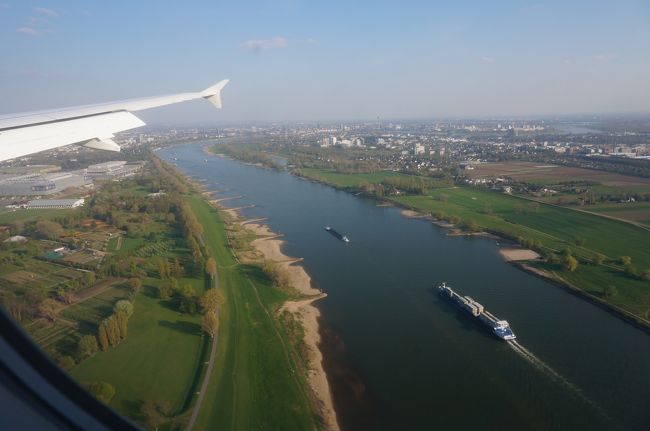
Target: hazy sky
295,60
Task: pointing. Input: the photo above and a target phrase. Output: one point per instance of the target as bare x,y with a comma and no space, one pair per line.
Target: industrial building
41,184
36,181
54,203
112,170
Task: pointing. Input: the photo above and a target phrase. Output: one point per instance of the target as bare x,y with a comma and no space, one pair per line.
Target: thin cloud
45,11
36,22
36,26
257,45
604,57
487,60
30,31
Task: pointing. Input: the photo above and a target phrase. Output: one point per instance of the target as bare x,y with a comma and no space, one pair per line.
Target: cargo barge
336,234
500,328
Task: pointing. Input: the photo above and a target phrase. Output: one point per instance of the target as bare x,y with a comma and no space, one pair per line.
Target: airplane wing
91,125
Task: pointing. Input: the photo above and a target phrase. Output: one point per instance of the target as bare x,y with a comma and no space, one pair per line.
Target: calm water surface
400,357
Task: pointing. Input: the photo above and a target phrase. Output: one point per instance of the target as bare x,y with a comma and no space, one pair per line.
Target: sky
330,60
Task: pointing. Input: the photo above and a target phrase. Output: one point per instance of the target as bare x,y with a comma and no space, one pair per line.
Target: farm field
35,274
127,245
61,337
82,257
578,186
632,211
543,173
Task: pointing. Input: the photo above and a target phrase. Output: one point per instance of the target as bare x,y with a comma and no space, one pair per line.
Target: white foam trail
545,368
530,357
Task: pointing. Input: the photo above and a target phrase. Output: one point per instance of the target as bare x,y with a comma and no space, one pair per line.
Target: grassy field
555,227
157,361
634,295
89,313
255,383
31,215
130,244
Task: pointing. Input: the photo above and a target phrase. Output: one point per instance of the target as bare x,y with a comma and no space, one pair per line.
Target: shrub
86,347
101,390
610,291
66,362
570,263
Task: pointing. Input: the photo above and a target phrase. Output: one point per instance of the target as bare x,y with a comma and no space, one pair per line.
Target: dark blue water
403,357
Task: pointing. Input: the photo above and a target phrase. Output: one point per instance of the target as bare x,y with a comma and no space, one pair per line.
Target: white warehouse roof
55,203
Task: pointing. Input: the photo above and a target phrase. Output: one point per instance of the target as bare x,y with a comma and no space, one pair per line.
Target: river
400,357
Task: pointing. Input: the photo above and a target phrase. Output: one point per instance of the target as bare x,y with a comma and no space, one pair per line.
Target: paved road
204,385
208,372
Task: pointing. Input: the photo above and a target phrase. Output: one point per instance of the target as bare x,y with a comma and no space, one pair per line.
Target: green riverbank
552,231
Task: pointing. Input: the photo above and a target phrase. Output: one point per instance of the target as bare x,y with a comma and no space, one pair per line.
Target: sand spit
412,214
517,254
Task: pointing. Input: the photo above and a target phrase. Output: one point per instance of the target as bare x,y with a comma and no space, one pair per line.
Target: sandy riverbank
517,254
412,214
269,245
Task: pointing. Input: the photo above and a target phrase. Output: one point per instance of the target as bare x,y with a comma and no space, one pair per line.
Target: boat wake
554,375
538,363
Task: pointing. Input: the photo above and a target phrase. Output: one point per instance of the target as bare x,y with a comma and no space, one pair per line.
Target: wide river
400,357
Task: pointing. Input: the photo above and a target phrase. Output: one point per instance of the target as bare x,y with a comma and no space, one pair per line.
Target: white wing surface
91,125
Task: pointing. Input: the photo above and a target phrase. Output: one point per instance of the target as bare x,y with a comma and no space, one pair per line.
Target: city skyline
292,61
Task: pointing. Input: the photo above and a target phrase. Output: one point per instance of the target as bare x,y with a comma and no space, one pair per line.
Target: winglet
213,94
